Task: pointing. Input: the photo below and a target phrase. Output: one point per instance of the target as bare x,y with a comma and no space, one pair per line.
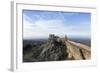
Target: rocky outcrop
58,49
53,50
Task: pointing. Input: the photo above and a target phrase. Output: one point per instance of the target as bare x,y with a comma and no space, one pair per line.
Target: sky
39,24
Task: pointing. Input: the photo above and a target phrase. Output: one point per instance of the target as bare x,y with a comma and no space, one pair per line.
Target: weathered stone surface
57,49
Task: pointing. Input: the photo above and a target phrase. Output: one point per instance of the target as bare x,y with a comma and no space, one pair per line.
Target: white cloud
42,28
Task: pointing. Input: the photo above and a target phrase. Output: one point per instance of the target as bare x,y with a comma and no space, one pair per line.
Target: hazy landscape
85,41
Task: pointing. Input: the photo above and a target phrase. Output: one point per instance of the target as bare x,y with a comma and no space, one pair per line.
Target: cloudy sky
39,24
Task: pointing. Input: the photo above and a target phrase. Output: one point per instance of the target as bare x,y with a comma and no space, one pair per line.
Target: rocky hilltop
57,49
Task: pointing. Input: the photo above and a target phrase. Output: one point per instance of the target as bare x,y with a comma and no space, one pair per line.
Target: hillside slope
58,49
